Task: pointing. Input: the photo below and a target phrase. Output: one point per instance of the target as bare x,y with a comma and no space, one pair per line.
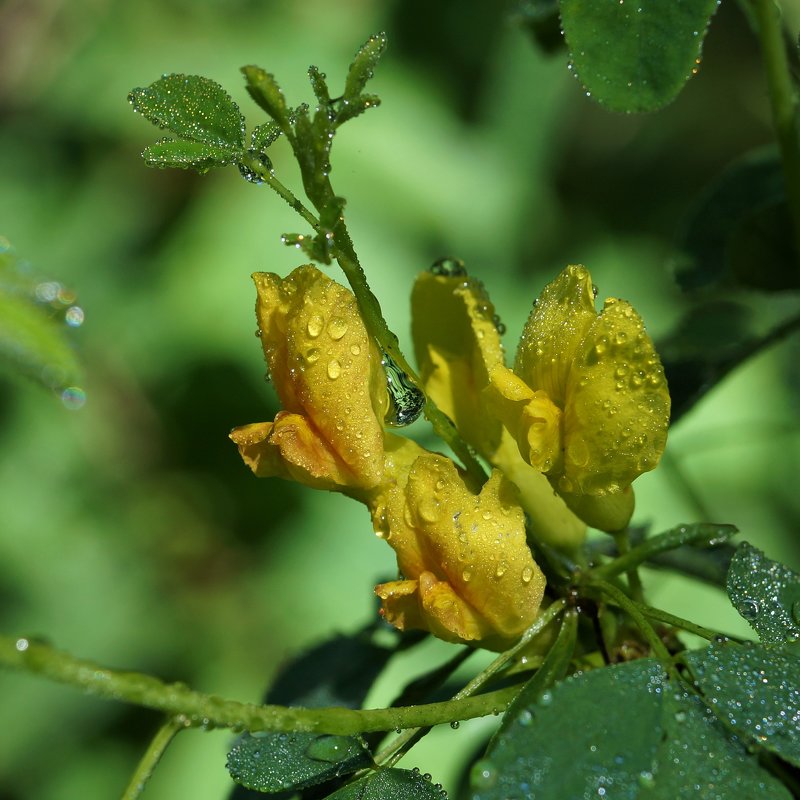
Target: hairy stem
195,709
159,743
783,101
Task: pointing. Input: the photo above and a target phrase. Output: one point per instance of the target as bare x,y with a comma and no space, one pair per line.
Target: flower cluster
583,412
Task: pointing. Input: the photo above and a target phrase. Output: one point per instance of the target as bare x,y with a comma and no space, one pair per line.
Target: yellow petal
554,331
456,344
529,416
471,543
291,448
617,410
325,367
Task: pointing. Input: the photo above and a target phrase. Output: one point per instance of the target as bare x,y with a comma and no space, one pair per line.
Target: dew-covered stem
194,709
149,761
784,104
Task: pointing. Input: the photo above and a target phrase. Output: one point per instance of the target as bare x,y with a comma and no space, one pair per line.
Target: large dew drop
406,400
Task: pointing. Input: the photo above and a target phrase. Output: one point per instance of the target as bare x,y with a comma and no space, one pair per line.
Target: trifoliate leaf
193,108
635,56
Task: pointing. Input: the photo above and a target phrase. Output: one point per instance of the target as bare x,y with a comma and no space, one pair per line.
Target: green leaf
347,109
766,594
264,89
193,108
264,135
625,732
755,692
635,56
391,784
597,730
698,760
184,154
319,86
739,232
363,65
274,762
35,319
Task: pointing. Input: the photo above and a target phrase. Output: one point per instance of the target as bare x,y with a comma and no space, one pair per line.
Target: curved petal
456,344
325,367
476,576
617,410
554,331
291,448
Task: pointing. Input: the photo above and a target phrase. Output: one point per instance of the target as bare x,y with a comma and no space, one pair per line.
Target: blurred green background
130,531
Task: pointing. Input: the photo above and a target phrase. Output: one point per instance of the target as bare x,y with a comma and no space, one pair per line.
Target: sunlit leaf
635,56
755,692
193,108
767,594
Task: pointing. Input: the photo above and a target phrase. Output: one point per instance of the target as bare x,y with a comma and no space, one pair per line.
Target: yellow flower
586,404
327,374
467,573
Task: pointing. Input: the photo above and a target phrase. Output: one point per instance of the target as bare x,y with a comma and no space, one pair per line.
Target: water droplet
254,172
501,569
428,509
455,724
646,779
524,718
466,576
73,398
406,400
483,774
749,609
334,369
22,645
449,267
312,355
337,328
527,574
327,748
314,326
74,316
355,349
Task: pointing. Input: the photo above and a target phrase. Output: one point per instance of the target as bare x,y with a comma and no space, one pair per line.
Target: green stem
702,533
783,101
623,542
397,748
684,624
372,314
159,743
194,709
631,608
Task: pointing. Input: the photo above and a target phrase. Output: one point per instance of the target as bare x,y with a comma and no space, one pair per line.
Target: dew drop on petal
334,369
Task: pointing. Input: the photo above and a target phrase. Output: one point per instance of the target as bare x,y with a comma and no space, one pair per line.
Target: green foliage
391,784
35,317
754,691
635,56
766,594
274,762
